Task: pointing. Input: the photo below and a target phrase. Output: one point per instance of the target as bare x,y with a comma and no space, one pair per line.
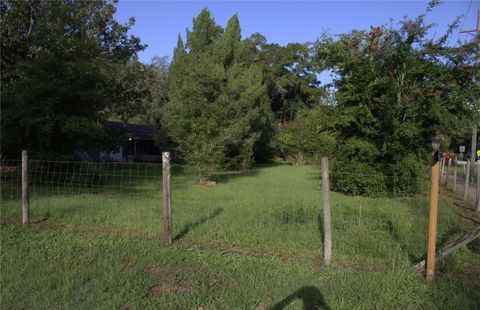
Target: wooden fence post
167,211
477,200
442,170
467,180
25,198
432,218
327,221
448,172
455,175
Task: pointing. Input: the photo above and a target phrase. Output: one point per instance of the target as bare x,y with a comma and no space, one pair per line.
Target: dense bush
355,169
407,175
357,178
308,137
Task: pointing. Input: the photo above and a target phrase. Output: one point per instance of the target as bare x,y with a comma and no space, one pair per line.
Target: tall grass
260,229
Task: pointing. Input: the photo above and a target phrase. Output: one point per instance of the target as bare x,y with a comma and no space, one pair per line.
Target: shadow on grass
227,176
474,246
395,234
197,223
320,228
309,295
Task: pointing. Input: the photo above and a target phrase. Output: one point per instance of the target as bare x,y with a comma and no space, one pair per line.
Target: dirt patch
171,284
472,277
168,269
174,279
219,285
127,261
251,250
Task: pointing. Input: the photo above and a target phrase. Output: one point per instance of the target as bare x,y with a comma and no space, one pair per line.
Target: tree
309,136
56,59
395,88
217,110
138,90
290,76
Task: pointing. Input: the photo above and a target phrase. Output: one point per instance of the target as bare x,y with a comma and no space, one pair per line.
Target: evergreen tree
217,110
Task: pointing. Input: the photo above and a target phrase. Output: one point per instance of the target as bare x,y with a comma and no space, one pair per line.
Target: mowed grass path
254,240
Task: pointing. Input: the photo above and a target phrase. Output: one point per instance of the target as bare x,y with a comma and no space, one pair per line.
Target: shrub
406,175
357,178
307,137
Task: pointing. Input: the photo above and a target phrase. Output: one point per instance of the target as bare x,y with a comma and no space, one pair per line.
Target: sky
158,23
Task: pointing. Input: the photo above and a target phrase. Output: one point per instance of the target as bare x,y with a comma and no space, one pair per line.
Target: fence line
128,196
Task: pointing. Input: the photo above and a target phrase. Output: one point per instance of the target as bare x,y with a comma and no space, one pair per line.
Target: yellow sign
478,153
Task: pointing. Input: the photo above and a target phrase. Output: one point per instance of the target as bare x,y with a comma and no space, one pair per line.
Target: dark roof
136,131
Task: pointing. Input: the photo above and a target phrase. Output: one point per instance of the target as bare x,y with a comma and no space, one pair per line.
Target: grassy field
252,241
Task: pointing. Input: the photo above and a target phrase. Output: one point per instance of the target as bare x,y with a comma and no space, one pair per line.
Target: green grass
253,239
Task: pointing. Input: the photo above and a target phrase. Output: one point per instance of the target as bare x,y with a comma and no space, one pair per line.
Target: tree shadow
474,246
227,176
395,234
309,295
197,223
320,228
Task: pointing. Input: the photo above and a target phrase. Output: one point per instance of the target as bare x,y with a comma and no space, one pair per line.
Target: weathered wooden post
327,221
477,200
167,211
448,172
455,175
442,170
25,197
432,217
473,154
467,180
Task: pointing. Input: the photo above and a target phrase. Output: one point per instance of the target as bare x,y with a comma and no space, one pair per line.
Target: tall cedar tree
217,110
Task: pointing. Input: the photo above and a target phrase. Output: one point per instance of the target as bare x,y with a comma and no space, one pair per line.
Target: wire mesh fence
273,210
453,178
117,195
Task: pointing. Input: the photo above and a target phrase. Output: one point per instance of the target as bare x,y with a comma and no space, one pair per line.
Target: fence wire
252,212
115,195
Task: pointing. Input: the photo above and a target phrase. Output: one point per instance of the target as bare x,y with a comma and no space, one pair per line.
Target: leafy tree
289,74
396,87
138,90
56,58
217,110
309,136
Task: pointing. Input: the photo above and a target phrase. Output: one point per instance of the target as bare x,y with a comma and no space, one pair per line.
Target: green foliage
308,137
56,60
407,174
136,89
397,87
217,111
356,169
358,150
290,76
49,110
358,178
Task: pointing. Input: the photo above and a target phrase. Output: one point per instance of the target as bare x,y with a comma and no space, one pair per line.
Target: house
138,143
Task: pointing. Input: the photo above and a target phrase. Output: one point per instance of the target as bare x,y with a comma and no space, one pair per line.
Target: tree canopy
57,59
225,102
217,110
395,89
